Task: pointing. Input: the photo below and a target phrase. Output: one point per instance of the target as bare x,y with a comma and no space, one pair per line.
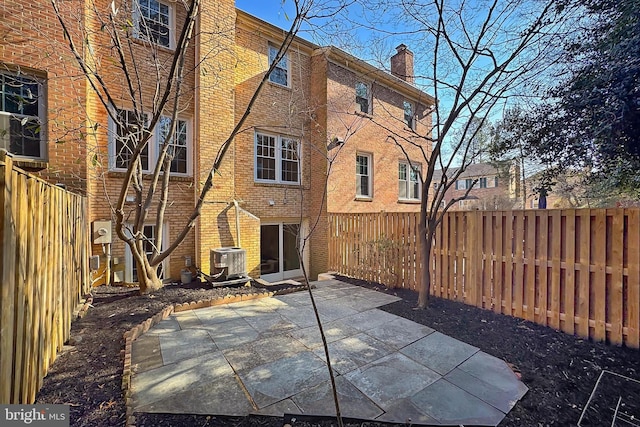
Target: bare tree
471,56
124,63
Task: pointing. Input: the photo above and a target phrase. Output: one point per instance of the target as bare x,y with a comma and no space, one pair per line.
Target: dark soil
560,370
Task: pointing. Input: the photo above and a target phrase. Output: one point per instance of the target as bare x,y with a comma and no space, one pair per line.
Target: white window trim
408,181
278,152
370,175
286,57
153,147
5,138
369,99
172,24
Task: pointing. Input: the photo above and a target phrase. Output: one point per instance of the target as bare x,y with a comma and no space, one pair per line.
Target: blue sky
272,11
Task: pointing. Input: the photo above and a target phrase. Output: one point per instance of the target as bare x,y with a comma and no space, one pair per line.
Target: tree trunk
148,277
425,275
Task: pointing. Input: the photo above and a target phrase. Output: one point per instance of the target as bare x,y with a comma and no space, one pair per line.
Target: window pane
289,153
129,132
20,123
364,186
154,23
402,171
362,97
279,74
408,114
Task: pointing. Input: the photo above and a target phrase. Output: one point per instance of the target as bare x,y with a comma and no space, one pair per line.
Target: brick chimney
402,64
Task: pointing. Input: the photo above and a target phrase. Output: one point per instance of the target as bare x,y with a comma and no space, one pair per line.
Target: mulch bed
559,369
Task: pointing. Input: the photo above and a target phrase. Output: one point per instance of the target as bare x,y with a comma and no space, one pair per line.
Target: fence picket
570,271
577,270
555,241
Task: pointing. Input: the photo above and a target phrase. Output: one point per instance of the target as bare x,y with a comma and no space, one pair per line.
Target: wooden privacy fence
44,271
573,270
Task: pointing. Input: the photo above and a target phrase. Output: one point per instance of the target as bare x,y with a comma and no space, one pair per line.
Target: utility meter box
101,232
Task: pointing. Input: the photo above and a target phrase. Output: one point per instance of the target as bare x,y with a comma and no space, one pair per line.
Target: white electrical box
101,232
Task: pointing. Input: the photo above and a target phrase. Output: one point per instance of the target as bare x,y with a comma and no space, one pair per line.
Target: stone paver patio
266,357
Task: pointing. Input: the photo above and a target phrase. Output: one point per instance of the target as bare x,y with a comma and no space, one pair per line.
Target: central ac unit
229,263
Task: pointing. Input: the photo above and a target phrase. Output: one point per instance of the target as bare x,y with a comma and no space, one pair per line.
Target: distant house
491,187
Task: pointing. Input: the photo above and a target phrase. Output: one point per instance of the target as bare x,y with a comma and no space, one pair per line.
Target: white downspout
235,203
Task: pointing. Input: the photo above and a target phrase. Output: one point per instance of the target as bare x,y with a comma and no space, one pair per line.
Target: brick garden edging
135,332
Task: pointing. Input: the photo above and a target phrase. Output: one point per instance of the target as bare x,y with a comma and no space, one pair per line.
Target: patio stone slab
329,310
301,316
216,314
157,384
318,400
333,331
368,319
439,352
451,405
260,352
286,406
170,324
231,333
146,353
399,332
503,400
282,378
405,411
353,352
188,319
224,396
380,380
270,323
494,371
185,344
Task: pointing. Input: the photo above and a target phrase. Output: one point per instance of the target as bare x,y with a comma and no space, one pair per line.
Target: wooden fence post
7,275
473,258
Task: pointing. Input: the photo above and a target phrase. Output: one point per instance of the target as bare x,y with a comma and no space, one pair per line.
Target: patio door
131,269
278,254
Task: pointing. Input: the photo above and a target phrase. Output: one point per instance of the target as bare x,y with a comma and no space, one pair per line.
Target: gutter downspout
235,203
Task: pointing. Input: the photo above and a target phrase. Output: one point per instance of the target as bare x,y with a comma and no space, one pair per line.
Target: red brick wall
374,134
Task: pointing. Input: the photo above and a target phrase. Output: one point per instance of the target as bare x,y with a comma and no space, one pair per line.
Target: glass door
278,254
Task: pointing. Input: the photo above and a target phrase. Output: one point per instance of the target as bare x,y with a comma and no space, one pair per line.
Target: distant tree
592,119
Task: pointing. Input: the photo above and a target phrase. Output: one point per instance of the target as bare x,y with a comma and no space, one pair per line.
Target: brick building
270,190
493,189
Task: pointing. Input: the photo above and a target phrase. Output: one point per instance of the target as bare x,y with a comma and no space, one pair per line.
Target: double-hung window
131,128
408,181
21,116
464,184
362,97
363,175
280,74
277,159
178,146
153,22
483,182
408,114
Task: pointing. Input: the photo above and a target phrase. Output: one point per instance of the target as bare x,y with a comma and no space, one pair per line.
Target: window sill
363,199
361,114
277,184
409,201
287,87
146,175
147,43
30,165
